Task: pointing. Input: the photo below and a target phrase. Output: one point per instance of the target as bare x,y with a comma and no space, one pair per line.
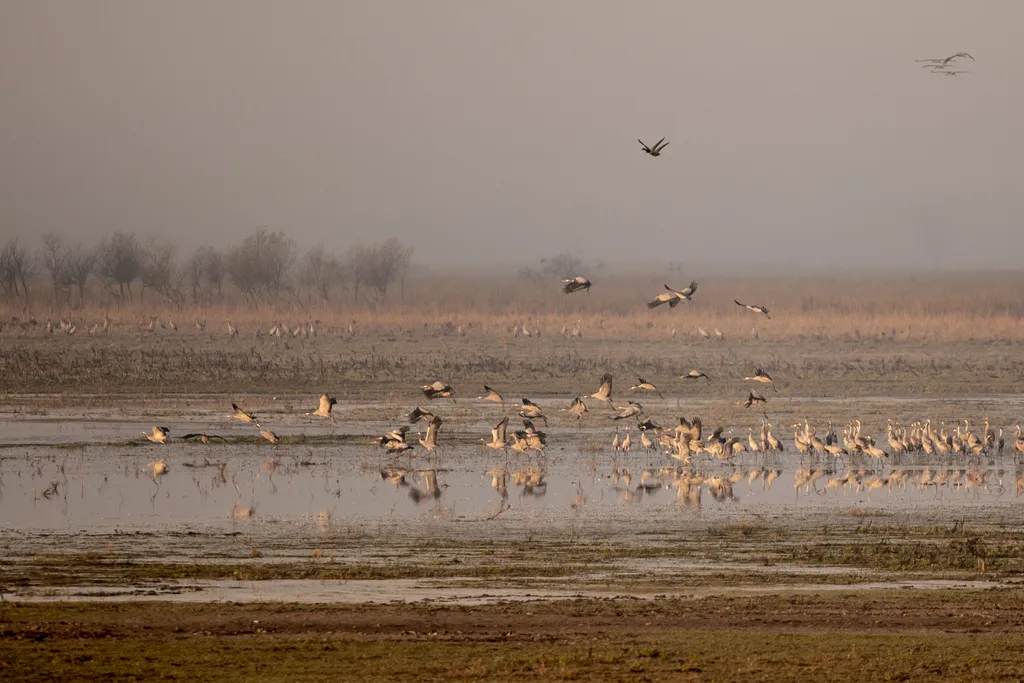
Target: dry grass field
827,336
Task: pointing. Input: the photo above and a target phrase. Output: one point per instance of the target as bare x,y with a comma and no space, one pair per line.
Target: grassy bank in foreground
904,635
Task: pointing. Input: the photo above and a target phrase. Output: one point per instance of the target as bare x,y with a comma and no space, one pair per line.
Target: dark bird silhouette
656,149
752,398
946,60
648,424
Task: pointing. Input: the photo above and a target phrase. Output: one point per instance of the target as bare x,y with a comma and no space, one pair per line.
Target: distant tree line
266,267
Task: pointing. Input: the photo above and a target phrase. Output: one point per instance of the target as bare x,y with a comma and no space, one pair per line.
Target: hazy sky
801,131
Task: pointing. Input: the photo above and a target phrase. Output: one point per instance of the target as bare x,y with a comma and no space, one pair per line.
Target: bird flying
644,385
326,403
498,437
752,398
492,395
242,415
438,389
576,284
604,393
656,149
672,297
430,442
158,435
630,410
756,309
578,408
763,377
418,414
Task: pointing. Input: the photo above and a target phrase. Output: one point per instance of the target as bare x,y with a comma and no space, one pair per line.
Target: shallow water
71,483
406,590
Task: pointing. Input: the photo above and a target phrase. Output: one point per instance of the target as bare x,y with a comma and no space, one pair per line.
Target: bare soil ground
894,635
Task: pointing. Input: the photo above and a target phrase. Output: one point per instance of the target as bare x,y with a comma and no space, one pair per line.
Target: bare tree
159,271
120,262
562,266
205,273
216,271
16,269
380,265
259,265
54,255
320,273
81,262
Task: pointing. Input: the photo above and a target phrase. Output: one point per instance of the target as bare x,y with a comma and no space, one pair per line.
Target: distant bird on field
756,309
656,149
695,374
576,284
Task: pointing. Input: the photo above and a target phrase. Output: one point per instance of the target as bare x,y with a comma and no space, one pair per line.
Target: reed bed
958,307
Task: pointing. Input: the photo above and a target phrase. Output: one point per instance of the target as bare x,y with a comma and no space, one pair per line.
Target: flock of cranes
860,453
